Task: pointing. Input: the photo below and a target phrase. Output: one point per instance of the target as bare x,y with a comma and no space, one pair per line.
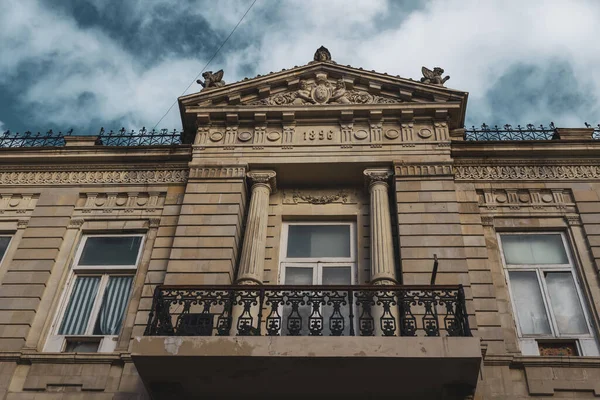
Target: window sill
519,361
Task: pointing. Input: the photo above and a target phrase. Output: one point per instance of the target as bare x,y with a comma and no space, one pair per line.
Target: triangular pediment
321,84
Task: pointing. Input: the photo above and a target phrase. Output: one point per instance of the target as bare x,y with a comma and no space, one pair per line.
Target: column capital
377,175
263,177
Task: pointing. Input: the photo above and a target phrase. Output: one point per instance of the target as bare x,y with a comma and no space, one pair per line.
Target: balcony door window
94,302
548,303
316,254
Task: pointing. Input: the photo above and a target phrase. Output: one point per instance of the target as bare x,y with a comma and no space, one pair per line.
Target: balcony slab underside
403,367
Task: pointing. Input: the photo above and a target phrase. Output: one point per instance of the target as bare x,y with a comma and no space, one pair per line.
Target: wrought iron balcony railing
507,132
271,310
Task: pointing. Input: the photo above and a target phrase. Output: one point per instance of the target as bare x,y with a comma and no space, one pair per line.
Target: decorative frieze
529,200
526,172
317,196
123,203
93,177
217,172
17,203
423,170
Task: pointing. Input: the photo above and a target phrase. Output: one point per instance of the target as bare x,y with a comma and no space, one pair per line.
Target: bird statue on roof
433,77
212,80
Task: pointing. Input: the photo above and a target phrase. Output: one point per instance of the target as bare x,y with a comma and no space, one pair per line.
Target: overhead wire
209,61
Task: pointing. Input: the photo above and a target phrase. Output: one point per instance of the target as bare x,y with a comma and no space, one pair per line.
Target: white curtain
527,296
113,305
565,303
80,306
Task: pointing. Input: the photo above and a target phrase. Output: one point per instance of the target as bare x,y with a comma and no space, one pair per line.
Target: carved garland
326,199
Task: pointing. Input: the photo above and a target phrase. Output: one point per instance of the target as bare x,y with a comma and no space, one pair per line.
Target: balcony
413,341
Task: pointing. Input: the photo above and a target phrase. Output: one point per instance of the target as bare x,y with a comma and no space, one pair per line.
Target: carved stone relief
375,132
12,204
529,200
306,196
323,91
94,176
119,203
526,172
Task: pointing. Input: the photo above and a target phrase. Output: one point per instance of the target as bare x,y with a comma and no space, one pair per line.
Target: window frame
284,242
58,342
539,269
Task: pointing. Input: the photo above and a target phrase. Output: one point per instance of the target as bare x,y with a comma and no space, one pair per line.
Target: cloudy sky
84,64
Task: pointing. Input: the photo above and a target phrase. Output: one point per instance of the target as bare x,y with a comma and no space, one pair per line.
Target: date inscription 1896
320,135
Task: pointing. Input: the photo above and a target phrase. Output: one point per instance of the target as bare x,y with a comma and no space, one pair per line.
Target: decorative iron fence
271,310
507,132
29,139
143,137
596,133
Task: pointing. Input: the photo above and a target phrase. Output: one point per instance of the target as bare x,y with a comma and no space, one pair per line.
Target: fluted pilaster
255,238
382,248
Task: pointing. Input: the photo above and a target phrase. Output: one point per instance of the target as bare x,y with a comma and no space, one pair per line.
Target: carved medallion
244,136
361,134
216,136
392,134
273,136
425,133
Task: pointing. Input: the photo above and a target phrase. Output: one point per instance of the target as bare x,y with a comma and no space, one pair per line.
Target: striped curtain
113,305
80,306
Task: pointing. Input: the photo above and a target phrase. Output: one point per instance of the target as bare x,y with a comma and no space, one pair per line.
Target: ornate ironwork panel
507,132
308,311
30,139
143,137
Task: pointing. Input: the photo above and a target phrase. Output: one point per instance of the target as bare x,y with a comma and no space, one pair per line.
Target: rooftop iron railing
290,310
143,137
507,132
30,139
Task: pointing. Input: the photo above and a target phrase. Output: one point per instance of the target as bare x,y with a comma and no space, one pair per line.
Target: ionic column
382,248
255,239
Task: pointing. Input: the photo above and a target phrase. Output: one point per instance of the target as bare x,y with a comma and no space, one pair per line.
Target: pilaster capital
263,177
377,175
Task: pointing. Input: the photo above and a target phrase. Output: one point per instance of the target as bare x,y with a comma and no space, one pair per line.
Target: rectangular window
98,293
548,304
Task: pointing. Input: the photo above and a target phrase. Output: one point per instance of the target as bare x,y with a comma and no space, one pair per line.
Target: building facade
319,231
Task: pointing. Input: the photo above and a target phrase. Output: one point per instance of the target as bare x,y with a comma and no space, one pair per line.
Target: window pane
331,318
115,299
298,276
296,318
565,303
4,241
337,275
110,250
80,306
534,249
318,241
527,296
